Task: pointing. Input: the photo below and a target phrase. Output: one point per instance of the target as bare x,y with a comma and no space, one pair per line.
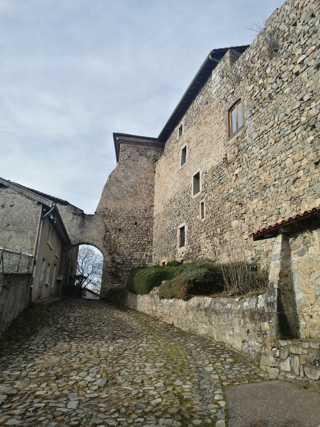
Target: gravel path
88,363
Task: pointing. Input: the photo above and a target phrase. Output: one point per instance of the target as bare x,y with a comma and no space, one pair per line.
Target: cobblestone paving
88,363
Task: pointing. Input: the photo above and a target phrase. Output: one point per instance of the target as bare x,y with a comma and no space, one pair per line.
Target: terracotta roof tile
284,222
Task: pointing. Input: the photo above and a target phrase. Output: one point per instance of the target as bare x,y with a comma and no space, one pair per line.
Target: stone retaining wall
294,360
14,297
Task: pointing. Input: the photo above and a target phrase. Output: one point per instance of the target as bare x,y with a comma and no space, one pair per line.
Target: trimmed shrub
143,279
204,277
192,281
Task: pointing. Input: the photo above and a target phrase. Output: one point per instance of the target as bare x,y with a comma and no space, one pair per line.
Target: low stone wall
14,297
295,360
241,323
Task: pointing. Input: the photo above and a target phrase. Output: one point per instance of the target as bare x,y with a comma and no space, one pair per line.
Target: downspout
37,251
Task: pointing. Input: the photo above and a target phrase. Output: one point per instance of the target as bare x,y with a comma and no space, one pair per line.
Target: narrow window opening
182,236
163,263
183,156
119,229
201,210
196,184
180,130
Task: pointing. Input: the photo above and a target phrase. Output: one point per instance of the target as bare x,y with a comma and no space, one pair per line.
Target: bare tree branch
89,268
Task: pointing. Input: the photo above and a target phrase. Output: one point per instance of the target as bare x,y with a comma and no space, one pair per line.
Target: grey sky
75,71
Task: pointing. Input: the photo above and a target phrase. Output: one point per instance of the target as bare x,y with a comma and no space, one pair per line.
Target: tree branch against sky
89,268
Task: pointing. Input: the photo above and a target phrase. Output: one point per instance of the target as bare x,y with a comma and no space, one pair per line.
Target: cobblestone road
87,363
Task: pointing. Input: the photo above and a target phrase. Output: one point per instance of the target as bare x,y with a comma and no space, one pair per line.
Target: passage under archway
89,271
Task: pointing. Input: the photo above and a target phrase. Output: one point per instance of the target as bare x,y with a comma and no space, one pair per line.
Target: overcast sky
74,72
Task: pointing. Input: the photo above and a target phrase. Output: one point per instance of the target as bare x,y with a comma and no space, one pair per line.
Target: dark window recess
163,263
182,237
183,156
180,130
196,184
136,223
119,229
201,210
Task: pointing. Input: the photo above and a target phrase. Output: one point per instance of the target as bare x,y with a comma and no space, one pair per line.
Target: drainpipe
37,251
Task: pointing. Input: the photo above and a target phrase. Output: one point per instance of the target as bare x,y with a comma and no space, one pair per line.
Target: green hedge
183,281
143,279
192,281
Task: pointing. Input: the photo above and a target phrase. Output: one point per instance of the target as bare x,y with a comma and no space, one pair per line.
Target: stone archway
86,230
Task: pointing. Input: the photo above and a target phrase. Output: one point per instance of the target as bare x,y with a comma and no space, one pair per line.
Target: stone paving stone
94,364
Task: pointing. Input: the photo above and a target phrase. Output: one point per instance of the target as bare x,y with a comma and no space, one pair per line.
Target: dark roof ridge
194,87
145,140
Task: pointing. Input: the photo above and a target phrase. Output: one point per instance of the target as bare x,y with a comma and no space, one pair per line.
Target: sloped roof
194,87
142,141
44,199
274,229
39,193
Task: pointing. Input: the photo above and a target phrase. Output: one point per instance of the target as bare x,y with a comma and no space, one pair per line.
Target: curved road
88,363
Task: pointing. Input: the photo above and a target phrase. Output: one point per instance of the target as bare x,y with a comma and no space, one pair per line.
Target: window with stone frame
235,118
180,130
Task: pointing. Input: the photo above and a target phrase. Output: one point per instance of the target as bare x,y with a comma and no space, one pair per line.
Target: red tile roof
259,234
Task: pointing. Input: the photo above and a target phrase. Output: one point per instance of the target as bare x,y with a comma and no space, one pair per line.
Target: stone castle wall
126,209
268,170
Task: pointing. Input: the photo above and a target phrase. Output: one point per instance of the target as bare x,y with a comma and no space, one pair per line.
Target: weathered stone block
312,373
286,365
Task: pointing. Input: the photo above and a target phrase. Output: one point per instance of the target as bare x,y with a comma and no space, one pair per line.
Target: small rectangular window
182,236
196,184
235,118
202,213
183,156
180,130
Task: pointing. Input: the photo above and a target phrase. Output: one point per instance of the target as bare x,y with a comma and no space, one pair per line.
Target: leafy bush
205,277
192,281
143,279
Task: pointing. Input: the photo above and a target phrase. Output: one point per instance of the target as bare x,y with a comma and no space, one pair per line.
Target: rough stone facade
266,171
295,276
32,239
19,220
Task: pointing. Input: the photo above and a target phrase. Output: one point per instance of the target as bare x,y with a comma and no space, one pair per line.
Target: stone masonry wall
14,297
293,360
295,276
268,170
126,209
19,221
